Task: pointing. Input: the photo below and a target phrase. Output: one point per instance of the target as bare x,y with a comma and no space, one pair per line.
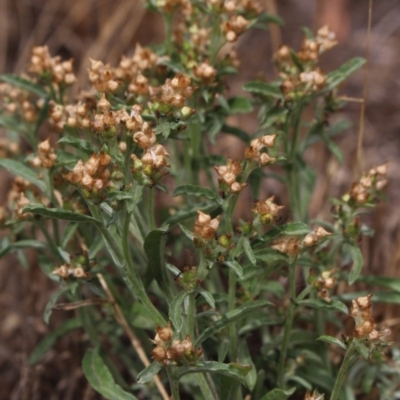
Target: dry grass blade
358,165
120,318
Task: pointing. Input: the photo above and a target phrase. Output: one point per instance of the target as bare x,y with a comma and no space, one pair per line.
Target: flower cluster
67,271
255,151
267,210
205,227
234,27
361,311
324,283
42,64
314,395
296,83
179,351
18,101
316,235
374,181
288,245
46,156
174,92
228,175
102,77
92,176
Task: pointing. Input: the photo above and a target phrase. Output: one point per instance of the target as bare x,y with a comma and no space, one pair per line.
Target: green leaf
332,340
361,347
176,310
384,281
240,105
48,341
335,78
318,303
270,255
278,394
379,297
136,194
234,131
228,387
19,169
154,246
79,144
149,372
58,213
100,378
245,357
249,251
232,370
296,61
50,304
263,89
209,298
289,229
236,267
24,84
190,212
357,258
198,191
186,232
237,314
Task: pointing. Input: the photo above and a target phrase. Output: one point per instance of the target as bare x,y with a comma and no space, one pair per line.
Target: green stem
346,364
231,306
205,387
150,210
168,19
173,383
288,325
191,312
121,256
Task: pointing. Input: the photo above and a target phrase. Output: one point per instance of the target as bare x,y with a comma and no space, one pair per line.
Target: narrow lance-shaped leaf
332,340
335,78
59,213
290,229
209,298
232,370
263,89
99,376
197,191
49,306
236,267
154,246
24,84
19,169
357,258
147,374
77,143
232,316
318,303
249,251
175,310
278,394
49,340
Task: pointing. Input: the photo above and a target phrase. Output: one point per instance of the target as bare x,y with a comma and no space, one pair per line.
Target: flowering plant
111,188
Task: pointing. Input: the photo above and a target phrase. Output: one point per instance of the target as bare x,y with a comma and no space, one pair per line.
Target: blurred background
106,29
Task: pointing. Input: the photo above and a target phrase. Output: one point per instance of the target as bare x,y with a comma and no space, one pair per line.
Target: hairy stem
288,325
346,364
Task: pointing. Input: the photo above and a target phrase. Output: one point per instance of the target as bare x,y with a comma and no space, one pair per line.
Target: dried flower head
361,311
314,395
228,175
267,210
205,227
288,245
254,152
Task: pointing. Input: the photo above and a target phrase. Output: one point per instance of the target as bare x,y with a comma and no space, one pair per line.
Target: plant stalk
288,325
346,364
